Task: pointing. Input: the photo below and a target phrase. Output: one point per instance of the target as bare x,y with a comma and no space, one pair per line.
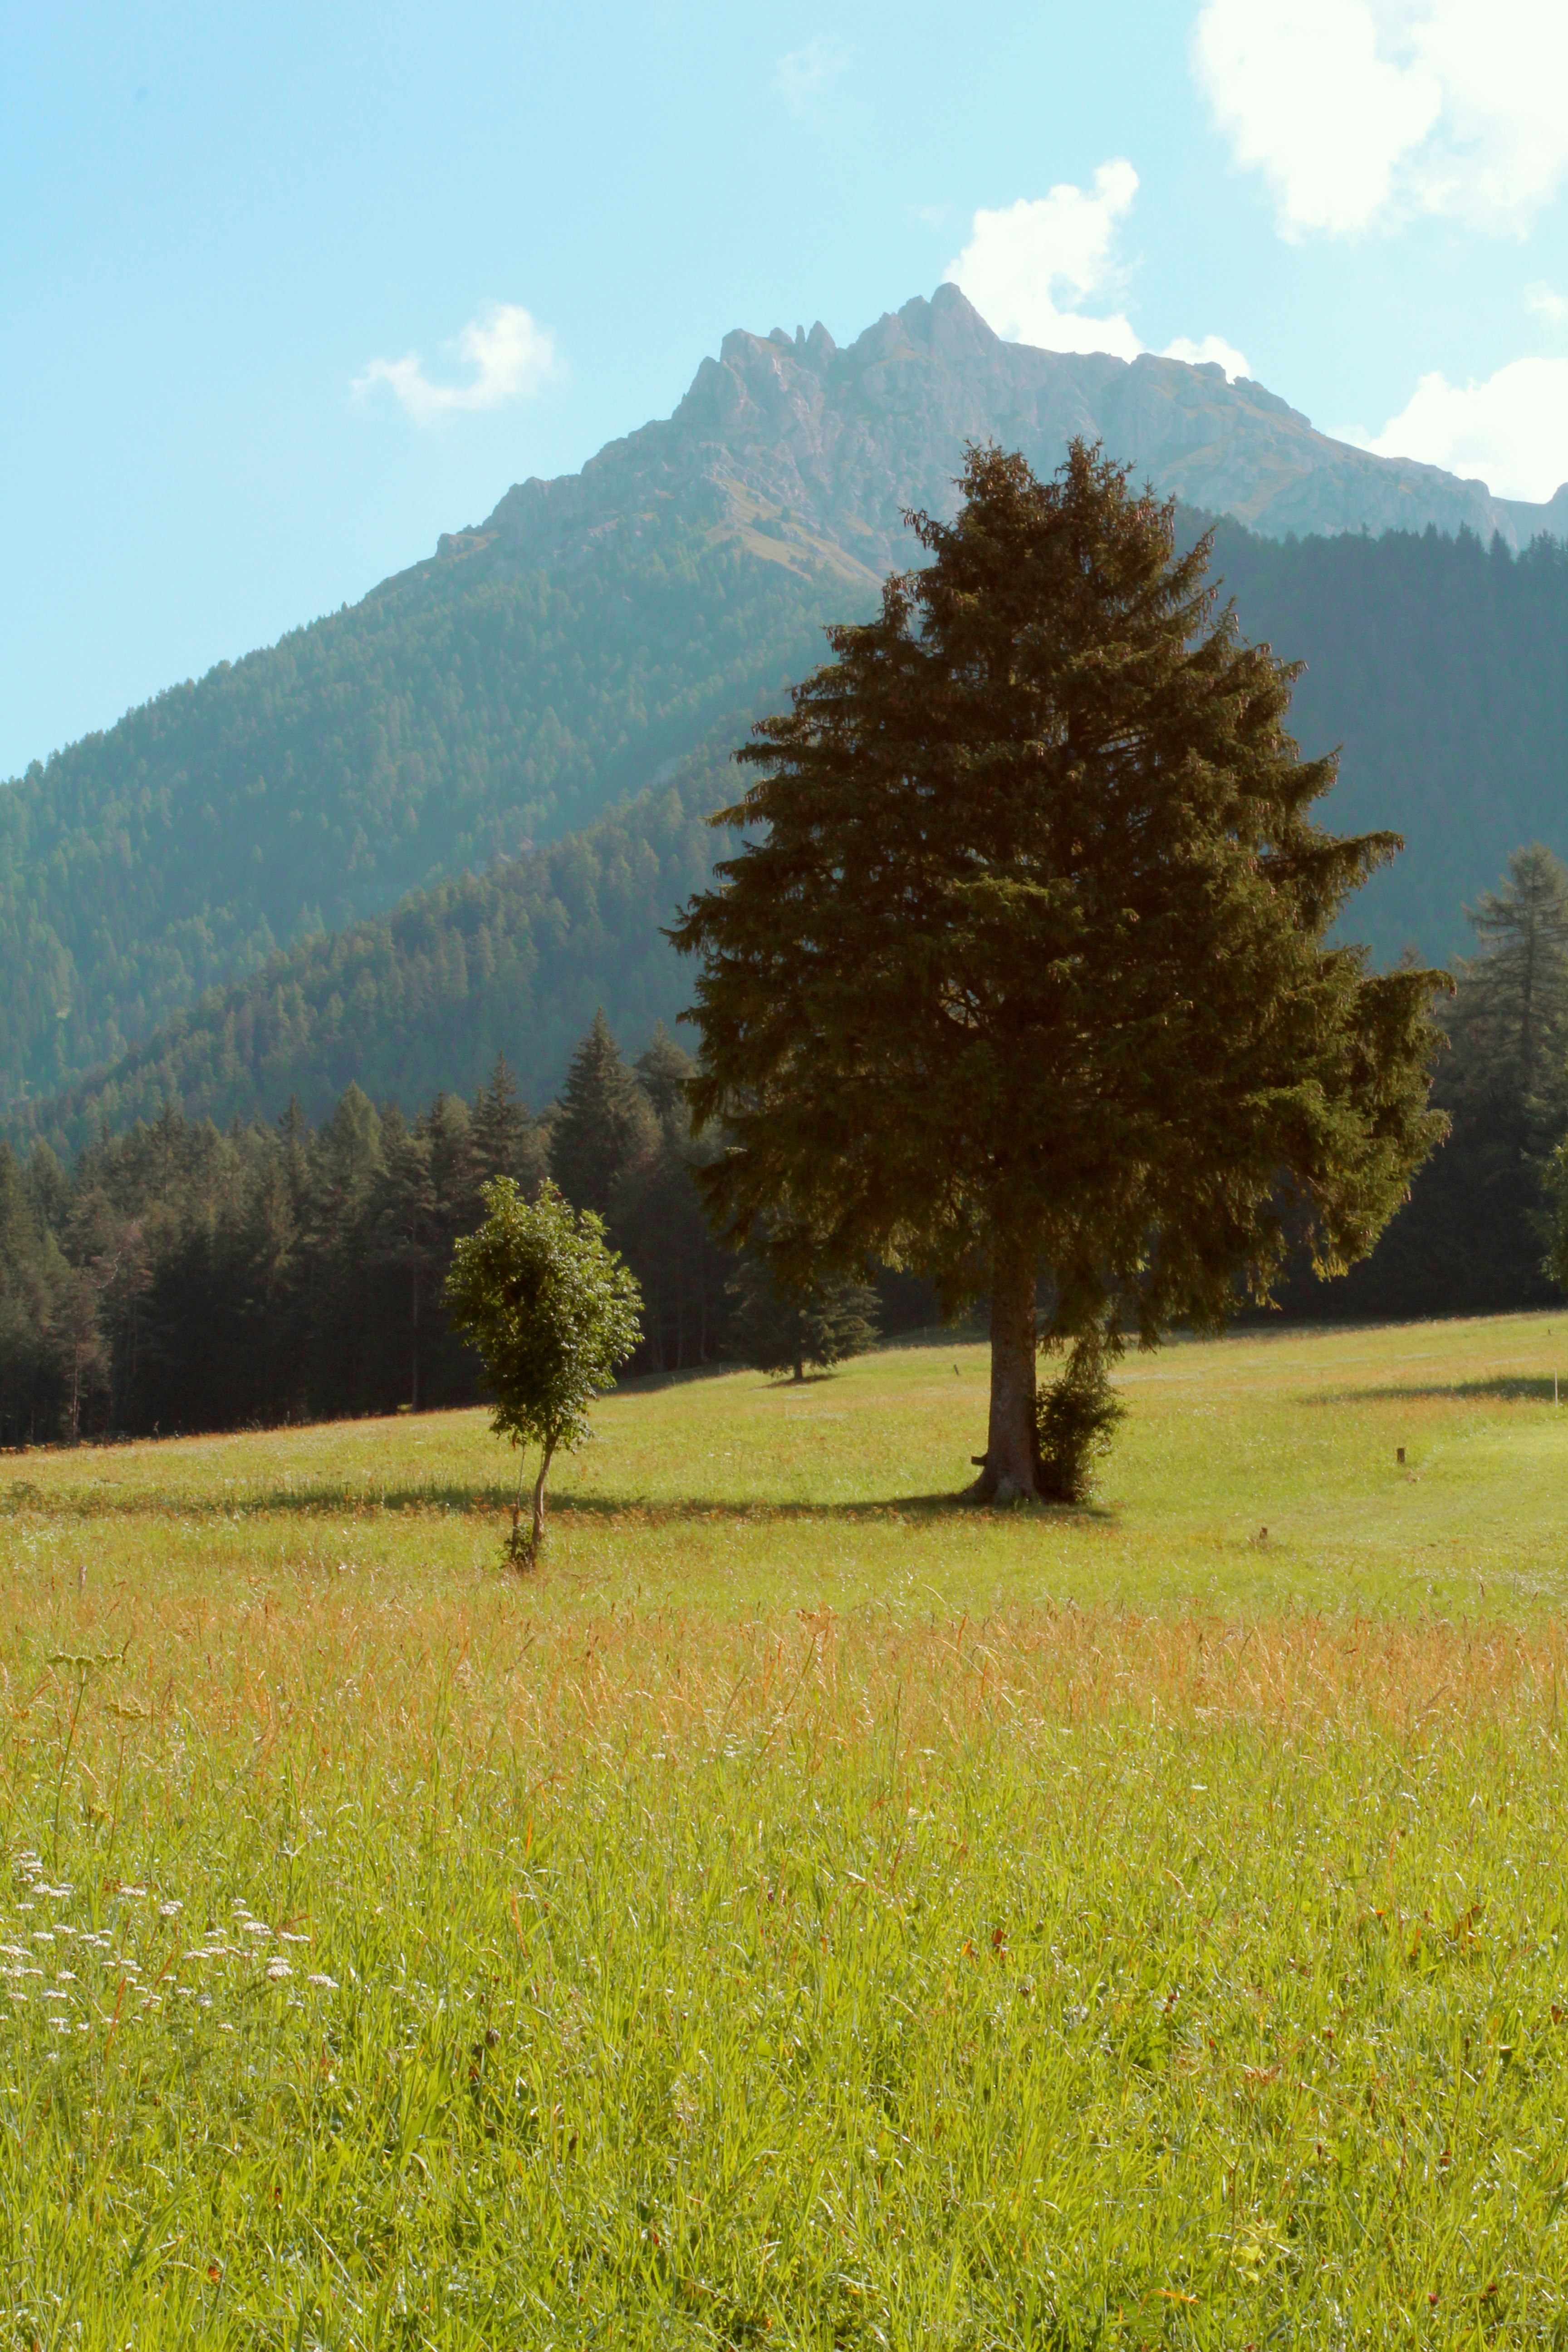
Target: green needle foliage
778,1327
1021,973
551,1312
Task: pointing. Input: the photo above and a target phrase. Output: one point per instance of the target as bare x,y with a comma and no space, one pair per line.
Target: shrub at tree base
1075,1418
551,1312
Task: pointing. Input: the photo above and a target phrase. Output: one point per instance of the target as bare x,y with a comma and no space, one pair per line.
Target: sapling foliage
551,1311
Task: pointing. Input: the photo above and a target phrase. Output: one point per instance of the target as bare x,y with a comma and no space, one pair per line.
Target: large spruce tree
1021,976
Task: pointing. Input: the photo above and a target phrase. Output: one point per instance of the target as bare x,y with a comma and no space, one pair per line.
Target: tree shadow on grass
496,1498
1507,1388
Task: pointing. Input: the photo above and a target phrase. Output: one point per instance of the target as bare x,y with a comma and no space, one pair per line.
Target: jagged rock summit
810,454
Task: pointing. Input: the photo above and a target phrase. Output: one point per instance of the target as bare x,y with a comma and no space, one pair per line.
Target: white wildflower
170,1910
278,1968
328,1983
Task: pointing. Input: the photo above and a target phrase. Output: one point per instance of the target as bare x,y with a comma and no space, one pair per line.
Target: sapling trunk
1009,1467
538,1499
524,1553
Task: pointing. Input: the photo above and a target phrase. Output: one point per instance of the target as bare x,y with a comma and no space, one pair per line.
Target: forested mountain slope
444,721
538,669
1442,667
514,961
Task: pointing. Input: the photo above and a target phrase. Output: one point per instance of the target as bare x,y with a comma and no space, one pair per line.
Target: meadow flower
278,1968
331,1983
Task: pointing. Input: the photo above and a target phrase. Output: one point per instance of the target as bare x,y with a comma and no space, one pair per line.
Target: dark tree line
183,1278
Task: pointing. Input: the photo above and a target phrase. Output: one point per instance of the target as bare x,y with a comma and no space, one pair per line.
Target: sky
286,291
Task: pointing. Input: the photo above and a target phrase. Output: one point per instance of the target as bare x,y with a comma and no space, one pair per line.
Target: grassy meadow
806,1912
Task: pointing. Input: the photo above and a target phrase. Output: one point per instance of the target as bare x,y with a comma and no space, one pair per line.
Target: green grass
806,1913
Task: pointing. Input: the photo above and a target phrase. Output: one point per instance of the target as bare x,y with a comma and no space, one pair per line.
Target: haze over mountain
544,668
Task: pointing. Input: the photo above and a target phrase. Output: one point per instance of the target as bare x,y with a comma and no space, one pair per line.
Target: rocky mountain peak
812,454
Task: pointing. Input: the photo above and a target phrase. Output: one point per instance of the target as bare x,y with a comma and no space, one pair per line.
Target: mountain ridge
790,423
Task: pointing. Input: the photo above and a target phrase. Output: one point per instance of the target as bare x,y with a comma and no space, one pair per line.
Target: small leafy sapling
551,1311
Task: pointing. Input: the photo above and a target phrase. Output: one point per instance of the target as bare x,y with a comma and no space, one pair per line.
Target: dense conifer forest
514,961
183,1278
458,714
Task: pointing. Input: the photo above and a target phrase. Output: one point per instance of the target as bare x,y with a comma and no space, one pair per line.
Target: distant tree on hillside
665,1071
505,1141
604,1126
1508,1020
779,1326
657,1218
553,1313
1021,978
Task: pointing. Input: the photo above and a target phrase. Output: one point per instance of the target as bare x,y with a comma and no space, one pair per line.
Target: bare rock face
811,455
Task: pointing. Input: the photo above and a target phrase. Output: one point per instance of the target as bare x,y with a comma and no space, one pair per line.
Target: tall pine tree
1022,972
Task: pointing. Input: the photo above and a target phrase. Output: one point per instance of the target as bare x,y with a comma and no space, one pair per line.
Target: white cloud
803,73
1361,109
1212,348
1511,432
1019,262
1023,262
512,357
1545,304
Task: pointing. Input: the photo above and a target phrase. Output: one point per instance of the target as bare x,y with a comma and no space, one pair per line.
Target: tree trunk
1009,1467
538,1500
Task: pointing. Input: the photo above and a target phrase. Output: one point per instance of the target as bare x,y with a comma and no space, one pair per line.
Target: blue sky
285,291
